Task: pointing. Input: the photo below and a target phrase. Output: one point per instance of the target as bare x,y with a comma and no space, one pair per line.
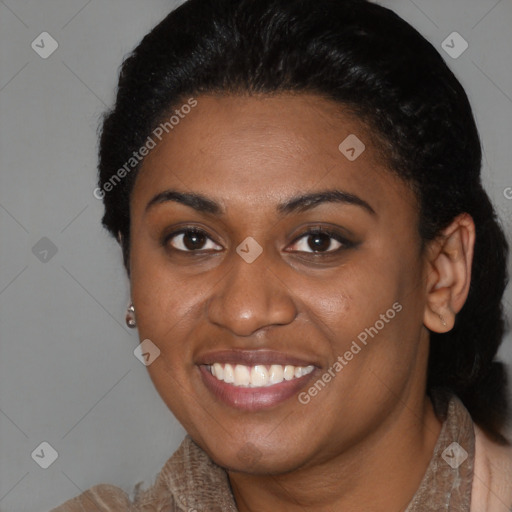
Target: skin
372,426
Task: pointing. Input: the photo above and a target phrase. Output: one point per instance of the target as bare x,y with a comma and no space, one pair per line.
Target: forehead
251,150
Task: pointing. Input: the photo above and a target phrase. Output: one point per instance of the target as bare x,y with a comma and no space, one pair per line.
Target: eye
320,240
191,240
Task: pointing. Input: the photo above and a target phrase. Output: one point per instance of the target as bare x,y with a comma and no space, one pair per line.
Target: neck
380,473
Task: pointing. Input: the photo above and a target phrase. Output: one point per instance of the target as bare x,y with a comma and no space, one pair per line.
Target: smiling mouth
257,376
254,380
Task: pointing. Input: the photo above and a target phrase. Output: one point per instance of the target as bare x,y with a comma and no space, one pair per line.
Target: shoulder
492,489
175,488
102,497
106,497
109,498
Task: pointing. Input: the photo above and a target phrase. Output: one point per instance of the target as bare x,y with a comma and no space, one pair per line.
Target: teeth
289,372
259,375
276,374
229,374
242,375
218,371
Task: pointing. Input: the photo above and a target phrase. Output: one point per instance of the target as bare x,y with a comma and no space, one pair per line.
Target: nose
251,297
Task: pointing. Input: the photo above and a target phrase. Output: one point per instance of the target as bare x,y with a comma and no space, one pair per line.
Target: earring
442,319
130,316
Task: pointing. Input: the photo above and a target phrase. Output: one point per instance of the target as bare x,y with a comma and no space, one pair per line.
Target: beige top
467,473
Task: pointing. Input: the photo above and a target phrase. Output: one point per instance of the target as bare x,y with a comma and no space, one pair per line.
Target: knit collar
448,479
193,481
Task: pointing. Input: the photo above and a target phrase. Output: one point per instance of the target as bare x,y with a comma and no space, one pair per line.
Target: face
281,279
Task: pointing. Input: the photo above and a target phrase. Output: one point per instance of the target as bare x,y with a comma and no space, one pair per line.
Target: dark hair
368,59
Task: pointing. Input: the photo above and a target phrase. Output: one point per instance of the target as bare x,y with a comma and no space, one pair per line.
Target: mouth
254,380
257,376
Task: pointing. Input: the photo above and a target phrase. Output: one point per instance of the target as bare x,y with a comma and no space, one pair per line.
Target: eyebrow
297,203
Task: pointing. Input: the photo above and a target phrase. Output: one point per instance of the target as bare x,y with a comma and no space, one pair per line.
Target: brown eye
320,241
191,240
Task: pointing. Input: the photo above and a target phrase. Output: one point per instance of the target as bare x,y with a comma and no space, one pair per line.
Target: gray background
68,375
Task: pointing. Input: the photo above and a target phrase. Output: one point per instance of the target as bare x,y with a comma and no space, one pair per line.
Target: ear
449,260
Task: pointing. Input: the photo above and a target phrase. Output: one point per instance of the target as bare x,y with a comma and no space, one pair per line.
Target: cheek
165,308
376,302
358,291
165,300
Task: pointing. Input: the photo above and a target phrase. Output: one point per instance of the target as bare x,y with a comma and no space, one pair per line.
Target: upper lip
252,358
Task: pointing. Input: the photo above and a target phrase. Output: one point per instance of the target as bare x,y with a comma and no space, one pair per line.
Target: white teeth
276,374
242,375
229,375
289,372
218,371
258,375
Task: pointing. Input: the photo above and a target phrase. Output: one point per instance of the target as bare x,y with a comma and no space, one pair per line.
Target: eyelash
345,244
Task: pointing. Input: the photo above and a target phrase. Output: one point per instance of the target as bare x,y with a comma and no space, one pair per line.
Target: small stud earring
442,319
130,316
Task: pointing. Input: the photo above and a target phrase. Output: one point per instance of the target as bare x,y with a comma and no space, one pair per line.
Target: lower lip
253,399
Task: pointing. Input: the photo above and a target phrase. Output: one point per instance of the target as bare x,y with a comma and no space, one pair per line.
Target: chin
255,458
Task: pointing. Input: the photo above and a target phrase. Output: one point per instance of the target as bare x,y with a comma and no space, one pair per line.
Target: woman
316,271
